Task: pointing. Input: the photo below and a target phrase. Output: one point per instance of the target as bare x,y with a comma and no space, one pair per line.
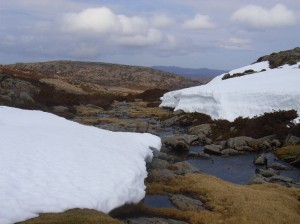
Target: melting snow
50,164
246,96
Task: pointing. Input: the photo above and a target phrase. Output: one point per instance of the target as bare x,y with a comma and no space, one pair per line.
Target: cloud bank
259,17
199,22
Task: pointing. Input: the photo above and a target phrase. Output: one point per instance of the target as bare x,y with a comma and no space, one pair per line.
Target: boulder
200,130
160,175
201,155
258,179
278,166
267,172
60,109
260,160
231,152
159,164
213,149
179,142
291,140
186,203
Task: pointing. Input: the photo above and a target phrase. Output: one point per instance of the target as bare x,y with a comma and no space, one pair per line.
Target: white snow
50,164
246,96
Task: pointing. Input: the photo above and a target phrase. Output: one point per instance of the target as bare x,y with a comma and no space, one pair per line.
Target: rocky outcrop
186,203
291,140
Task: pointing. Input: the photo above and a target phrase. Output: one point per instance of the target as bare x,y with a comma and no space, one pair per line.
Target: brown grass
234,204
74,216
288,152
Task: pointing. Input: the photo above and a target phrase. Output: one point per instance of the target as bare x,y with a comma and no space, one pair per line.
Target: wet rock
291,140
172,121
278,166
182,168
267,172
160,175
165,156
213,149
200,155
285,181
260,160
153,220
186,203
244,149
231,152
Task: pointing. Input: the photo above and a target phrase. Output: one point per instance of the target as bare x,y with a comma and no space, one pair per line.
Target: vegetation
289,153
247,72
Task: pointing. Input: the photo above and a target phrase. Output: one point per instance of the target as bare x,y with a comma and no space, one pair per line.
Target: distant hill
191,72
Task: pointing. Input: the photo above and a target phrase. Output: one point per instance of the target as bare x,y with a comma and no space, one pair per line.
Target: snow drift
50,164
246,96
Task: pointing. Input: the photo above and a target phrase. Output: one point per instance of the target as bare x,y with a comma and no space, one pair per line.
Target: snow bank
246,96
50,164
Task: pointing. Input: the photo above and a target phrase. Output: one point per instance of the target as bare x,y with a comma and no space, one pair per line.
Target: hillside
247,92
196,73
58,86
97,76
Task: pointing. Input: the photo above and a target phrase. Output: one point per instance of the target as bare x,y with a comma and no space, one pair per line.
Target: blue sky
188,33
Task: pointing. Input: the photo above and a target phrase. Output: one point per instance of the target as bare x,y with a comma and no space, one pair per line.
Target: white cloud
162,20
199,22
235,40
103,21
258,17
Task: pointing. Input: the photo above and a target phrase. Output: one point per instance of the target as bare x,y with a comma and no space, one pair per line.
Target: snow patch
246,96
50,164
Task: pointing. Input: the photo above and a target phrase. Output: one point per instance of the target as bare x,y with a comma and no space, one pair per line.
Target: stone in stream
201,155
186,203
260,160
153,220
160,175
179,142
278,166
213,149
267,172
231,152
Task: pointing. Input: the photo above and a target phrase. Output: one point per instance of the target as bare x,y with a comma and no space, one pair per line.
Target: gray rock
258,179
244,149
200,130
179,142
267,172
172,121
182,168
260,160
213,149
277,178
186,203
200,155
291,140
238,142
230,152
278,166
25,97
153,220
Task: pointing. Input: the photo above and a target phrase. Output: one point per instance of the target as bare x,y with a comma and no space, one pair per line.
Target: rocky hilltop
89,77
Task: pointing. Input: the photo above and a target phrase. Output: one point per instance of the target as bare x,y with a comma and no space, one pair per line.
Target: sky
219,34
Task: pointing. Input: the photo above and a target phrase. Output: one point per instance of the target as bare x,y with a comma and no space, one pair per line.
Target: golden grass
231,203
74,216
292,151
65,86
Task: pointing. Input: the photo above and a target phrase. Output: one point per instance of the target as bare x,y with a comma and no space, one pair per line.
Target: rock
165,156
153,220
258,179
291,140
260,160
213,149
244,149
25,97
186,203
267,172
182,168
236,142
179,142
277,178
160,175
230,152
200,155
200,130
278,166
159,164
172,121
